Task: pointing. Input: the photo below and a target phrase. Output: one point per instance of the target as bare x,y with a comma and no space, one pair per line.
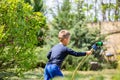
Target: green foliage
100,77
63,18
37,5
42,53
19,26
118,61
28,1
116,76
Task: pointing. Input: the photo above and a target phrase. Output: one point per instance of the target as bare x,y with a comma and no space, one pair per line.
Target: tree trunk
103,11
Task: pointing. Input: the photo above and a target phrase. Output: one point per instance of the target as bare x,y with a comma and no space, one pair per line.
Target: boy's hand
94,47
88,52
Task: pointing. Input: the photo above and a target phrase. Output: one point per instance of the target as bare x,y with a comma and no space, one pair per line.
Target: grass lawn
93,75
107,74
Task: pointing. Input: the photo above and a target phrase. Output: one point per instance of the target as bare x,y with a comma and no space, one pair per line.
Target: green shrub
18,28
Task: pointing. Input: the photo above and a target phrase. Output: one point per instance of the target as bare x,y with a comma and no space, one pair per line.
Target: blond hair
63,34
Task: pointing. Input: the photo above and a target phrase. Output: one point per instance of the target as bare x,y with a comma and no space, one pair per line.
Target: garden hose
94,47
81,62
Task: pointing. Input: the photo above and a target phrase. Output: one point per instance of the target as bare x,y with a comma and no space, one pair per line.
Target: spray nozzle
99,43
96,45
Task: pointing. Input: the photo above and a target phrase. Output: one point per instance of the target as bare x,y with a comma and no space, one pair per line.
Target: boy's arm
49,54
74,53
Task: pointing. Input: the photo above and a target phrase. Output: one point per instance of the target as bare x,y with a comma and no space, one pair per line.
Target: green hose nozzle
99,43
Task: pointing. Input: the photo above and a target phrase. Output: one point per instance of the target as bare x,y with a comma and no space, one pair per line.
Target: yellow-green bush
19,26
118,58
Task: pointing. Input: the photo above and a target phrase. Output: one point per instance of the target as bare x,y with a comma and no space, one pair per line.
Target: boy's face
66,41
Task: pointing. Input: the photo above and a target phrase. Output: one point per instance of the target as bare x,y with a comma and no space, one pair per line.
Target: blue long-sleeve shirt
59,52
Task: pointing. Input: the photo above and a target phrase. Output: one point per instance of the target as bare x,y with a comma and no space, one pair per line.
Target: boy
57,55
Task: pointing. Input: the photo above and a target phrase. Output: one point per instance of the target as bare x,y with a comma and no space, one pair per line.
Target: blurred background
29,28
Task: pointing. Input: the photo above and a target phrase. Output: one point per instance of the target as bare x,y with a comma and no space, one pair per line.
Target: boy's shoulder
59,46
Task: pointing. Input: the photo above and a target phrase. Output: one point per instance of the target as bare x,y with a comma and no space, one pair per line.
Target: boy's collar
62,43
